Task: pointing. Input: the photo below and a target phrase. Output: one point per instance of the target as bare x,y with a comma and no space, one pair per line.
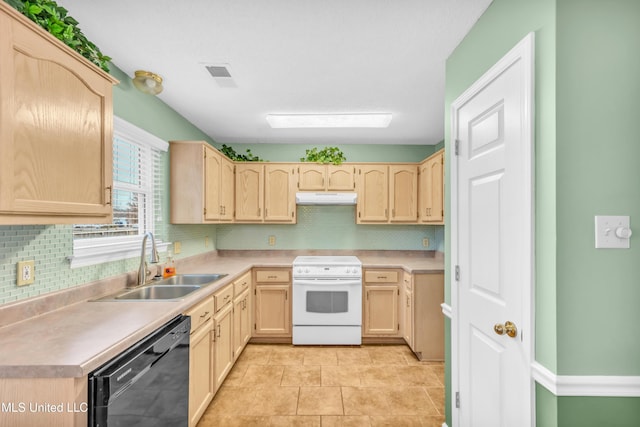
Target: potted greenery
231,153
54,19
327,155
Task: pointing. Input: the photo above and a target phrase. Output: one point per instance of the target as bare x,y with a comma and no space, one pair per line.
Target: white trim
586,385
125,130
444,425
525,51
122,248
446,309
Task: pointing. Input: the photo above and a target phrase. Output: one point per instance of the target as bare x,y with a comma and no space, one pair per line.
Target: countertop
73,340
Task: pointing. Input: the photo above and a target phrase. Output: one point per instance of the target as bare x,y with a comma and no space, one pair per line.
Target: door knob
508,327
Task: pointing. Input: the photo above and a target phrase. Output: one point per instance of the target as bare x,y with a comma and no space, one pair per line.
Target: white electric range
327,300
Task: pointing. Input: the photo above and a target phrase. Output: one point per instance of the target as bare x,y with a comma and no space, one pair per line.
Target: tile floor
283,385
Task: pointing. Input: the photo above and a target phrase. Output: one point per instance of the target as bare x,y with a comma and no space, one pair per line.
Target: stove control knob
306,270
299,270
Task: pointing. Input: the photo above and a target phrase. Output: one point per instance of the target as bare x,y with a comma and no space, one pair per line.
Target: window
137,200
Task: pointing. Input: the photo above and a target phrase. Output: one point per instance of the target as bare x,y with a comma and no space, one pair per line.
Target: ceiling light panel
357,120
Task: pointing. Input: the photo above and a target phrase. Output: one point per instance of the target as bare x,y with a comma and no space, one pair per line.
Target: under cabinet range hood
326,198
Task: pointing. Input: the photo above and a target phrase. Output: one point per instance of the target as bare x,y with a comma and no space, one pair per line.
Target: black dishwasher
146,385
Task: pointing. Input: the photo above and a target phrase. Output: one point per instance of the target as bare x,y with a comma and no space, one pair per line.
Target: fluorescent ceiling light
368,120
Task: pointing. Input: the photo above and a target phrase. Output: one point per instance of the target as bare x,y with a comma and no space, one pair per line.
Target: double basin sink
171,288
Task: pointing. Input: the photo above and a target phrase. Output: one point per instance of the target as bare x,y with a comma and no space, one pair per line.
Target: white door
492,254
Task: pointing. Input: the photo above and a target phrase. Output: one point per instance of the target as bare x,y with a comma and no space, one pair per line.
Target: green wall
586,143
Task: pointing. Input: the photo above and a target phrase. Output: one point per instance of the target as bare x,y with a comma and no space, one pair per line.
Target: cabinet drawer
200,313
381,276
223,297
272,276
242,283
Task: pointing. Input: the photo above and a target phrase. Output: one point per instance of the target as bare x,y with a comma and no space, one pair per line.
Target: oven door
327,302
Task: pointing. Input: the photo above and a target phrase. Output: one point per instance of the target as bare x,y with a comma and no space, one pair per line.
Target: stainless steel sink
171,288
158,292
189,279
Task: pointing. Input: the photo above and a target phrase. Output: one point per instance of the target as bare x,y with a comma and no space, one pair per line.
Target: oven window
327,301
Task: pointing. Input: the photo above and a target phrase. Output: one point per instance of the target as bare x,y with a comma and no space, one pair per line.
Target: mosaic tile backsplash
318,227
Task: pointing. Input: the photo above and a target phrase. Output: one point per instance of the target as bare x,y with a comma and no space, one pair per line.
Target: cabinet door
223,348
56,132
373,194
241,323
403,193
272,311
381,310
340,178
227,190
201,379
432,189
249,192
311,177
407,310
279,193
212,173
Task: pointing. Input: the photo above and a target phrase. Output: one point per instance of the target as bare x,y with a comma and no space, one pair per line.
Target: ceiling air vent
218,71
221,75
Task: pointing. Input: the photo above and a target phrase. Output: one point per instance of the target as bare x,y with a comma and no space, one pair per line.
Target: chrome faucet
143,271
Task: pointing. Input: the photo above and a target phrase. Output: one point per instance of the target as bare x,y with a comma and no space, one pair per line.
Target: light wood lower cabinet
241,314
201,362
428,320
272,293
406,304
380,300
223,330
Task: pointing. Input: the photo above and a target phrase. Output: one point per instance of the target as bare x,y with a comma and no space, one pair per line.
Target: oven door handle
327,282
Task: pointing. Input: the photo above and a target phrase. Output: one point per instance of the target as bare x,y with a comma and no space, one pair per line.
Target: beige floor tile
436,394
380,375
286,356
233,421
262,376
236,374
295,421
418,375
346,375
364,401
320,356
353,356
409,401
387,356
345,421
396,421
232,400
275,401
299,375
320,401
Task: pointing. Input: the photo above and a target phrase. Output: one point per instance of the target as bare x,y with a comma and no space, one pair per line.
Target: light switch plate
606,232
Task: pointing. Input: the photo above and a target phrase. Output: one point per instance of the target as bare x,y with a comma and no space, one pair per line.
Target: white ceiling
289,56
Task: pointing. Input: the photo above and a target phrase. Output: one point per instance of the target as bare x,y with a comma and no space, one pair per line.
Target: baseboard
583,385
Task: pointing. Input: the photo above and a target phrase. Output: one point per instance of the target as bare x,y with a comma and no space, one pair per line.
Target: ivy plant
231,153
327,155
55,19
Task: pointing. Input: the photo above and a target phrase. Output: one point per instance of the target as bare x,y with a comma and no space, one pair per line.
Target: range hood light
326,198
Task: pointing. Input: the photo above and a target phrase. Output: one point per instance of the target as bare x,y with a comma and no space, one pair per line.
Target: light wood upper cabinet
279,193
315,177
249,192
373,193
387,193
56,129
403,193
201,183
431,200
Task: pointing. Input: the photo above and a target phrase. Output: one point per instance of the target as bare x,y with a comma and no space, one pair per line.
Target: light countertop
75,339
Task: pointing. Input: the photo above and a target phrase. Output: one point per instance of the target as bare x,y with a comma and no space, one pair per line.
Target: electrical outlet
425,242
26,273
177,247
272,240
206,241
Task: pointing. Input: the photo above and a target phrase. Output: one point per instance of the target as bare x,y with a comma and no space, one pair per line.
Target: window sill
86,253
